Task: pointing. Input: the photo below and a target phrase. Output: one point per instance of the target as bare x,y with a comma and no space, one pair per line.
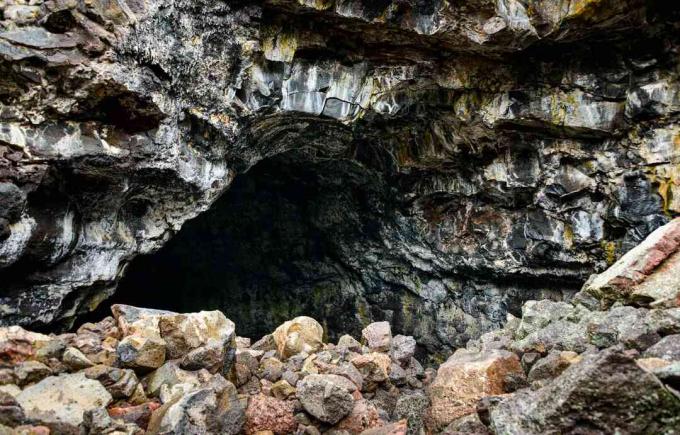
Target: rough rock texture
614,391
646,275
563,367
463,157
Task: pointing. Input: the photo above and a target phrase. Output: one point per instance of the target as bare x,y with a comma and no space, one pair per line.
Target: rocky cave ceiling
431,163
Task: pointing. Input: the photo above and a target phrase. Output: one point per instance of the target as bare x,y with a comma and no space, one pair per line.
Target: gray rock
60,401
667,348
192,413
120,383
326,397
605,390
402,349
413,408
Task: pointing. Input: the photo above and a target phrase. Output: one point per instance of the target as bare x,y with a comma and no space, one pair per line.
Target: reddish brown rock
31,430
467,377
139,414
646,275
269,414
363,416
398,428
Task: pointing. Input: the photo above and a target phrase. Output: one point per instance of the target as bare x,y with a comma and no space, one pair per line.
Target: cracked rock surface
460,157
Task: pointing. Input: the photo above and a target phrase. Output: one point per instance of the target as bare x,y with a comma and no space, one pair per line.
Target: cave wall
512,147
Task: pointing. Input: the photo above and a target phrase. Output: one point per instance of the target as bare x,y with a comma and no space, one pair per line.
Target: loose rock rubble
561,368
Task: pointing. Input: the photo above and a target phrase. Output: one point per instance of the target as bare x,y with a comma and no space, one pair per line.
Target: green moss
609,248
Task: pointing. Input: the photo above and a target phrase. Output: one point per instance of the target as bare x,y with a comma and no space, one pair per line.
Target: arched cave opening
269,249
331,238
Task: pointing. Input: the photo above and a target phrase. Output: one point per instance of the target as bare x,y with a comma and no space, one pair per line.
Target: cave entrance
271,248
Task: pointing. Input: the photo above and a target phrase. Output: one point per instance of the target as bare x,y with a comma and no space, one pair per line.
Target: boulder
645,275
178,334
667,348
374,368
605,392
192,413
28,372
269,414
231,411
412,408
120,383
363,416
378,336
402,349
326,397
668,374
552,365
302,334
211,356
140,415
270,369
75,360
11,413
169,374
467,377
141,353
186,332
349,343
60,401
398,428
467,425
282,390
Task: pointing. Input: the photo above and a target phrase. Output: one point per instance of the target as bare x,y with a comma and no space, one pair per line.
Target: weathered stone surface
190,413
412,408
398,428
552,365
140,415
604,391
402,349
139,352
667,348
269,414
374,368
302,334
326,397
646,275
464,379
121,383
364,416
60,401
378,336
123,122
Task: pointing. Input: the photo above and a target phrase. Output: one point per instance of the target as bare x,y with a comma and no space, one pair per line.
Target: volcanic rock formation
434,163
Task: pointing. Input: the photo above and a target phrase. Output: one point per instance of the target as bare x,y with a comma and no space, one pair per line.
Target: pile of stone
608,361
158,372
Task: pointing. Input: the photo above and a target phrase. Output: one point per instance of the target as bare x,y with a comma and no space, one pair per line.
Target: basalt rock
433,164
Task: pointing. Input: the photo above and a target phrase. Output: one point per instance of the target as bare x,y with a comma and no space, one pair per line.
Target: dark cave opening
269,249
330,238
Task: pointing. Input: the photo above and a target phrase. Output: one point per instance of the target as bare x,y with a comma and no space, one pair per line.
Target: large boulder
378,336
60,401
646,275
326,397
667,348
269,414
302,334
192,413
467,377
206,339
606,392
